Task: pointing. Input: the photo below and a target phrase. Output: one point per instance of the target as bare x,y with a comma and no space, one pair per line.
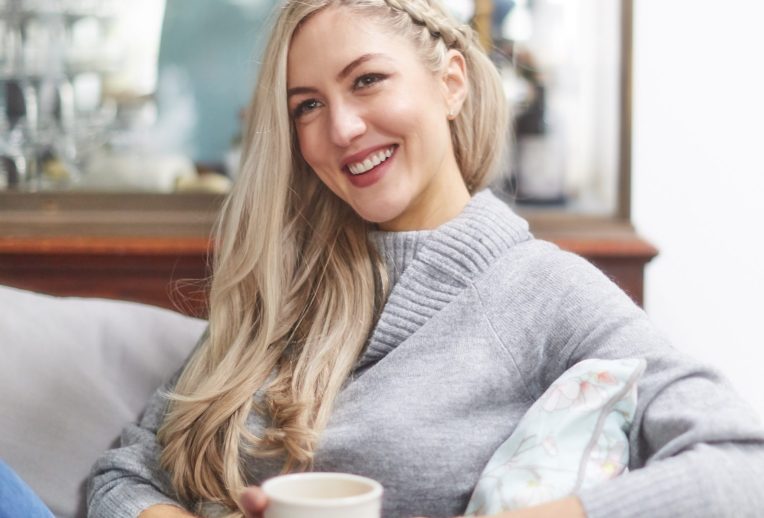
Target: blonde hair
296,285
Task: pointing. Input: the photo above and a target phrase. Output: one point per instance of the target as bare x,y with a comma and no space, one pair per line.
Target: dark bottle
537,156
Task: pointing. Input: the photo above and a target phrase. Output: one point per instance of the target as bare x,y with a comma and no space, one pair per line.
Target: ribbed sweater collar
398,250
432,267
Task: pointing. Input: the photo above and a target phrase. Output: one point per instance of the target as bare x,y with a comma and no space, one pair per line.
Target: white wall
698,178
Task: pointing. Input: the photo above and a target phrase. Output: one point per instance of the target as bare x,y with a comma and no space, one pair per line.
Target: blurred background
637,144
698,178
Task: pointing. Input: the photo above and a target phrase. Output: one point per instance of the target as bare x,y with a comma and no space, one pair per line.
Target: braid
421,12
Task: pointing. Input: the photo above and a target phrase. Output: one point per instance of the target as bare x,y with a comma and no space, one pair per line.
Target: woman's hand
165,511
253,501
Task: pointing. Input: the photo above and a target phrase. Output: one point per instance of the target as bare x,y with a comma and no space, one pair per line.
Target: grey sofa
73,371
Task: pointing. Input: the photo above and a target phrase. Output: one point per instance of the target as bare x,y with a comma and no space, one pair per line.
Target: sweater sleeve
696,449
128,479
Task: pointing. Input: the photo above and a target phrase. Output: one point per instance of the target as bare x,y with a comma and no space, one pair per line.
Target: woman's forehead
334,37
340,22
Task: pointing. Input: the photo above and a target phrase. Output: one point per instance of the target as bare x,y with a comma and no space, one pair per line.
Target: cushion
575,436
73,372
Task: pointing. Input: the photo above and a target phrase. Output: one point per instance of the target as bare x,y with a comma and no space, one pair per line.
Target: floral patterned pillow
575,436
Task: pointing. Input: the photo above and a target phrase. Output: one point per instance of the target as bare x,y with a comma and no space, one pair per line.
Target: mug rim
375,489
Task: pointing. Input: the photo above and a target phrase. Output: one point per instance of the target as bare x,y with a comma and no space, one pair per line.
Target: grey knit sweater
482,319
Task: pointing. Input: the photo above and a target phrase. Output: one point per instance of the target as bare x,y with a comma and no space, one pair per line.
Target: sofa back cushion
73,372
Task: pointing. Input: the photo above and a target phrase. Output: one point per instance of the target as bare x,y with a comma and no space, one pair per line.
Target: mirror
561,63
125,96
106,95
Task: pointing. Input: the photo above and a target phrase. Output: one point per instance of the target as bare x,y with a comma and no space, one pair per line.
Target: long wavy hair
296,285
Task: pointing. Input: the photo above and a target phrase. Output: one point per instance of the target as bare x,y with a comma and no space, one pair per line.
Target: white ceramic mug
323,495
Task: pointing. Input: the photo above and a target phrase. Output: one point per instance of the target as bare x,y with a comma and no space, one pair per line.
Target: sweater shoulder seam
529,397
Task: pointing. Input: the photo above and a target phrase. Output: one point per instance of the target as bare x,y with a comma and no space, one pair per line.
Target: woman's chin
383,218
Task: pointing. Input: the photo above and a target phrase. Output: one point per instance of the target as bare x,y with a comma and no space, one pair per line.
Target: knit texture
483,318
398,250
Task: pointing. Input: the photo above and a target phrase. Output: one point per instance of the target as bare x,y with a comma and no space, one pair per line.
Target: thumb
253,502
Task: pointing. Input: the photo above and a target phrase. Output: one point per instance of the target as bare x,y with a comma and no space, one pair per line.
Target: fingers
253,502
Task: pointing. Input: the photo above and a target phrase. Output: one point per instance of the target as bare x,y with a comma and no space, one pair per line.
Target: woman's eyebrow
356,63
344,73
301,90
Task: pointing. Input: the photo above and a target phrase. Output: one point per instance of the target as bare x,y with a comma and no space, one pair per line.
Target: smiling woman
375,310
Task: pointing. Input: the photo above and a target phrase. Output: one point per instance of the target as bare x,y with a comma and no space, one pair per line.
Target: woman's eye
305,107
368,80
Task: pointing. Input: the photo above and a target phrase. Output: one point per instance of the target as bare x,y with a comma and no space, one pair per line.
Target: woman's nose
346,124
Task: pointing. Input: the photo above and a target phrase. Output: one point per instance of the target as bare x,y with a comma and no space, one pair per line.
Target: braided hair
455,36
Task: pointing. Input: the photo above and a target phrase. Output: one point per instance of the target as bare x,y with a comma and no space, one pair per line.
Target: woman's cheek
310,146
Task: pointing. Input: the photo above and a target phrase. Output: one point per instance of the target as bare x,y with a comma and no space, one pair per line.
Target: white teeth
371,161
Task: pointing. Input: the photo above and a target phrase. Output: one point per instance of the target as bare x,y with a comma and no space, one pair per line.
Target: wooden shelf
155,249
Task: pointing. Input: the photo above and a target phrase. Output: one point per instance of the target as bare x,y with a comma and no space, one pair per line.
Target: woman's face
372,120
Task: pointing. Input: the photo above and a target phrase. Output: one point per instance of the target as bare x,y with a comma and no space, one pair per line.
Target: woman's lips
373,175
371,160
